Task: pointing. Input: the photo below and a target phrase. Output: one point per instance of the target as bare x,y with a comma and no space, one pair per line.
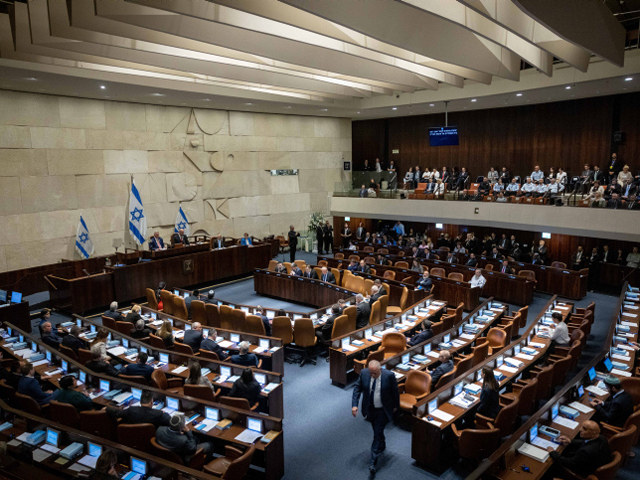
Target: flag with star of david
182,223
137,219
84,245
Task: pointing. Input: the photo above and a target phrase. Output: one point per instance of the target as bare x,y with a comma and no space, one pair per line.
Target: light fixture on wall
546,235
439,226
347,219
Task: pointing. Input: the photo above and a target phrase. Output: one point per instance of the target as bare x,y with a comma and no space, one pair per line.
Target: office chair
233,466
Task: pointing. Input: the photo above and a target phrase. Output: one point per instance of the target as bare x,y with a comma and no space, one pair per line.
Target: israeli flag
137,220
182,223
84,245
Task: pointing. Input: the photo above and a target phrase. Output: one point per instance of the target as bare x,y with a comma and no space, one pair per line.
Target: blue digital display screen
138,466
443,136
95,450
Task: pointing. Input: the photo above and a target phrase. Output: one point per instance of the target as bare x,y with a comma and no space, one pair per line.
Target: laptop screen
225,371
457,389
34,347
261,378
264,343
447,338
580,391
554,411
3,295
125,343
235,338
592,373
16,297
65,366
104,385
48,355
137,393
533,433
52,437
82,376
212,413
406,358
173,403
608,364
164,357
138,466
95,450
433,405
254,424
176,292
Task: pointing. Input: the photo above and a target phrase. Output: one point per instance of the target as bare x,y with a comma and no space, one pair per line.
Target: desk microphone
86,273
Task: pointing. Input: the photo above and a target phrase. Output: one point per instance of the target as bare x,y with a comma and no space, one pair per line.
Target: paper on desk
627,314
115,351
259,350
433,354
536,345
77,467
23,437
631,307
565,422
24,353
620,357
89,461
14,443
524,356
40,455
581,407
96,394
50,448
233,378
225,344
249,436
629,324
350,348
624,347
508,369
41,362
596,390
458,343
208,425
543,443
468,336
179,370
615,371
442,415
435,422
563,308
496,309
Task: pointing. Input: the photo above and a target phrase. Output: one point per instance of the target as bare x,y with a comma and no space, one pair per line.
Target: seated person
495,254
140,368
218,242
382,291
280,268
179,238
179,439
477,281
363,267
459,248
536,259
352,246
353,266
210,298
363,311
68,394
583,455
327,276
628,189
381,260
501,198
310,272
364,193
446,365
528,188
425,283
145,413
617,408
498,187
195,295
473,261
490,395
324,332
194,337
49,336
261,312
45,316
13,375
560,335
114,313
244,357
156,242
295,270
450,258
73,340
554,189
28,385
512,188
140,331
375,293
541,189
423,335
98,365
246,240
196,378
246,387
106,466
210,345
416,266
166,333
615,203
134,315
464,196
484,188
505,268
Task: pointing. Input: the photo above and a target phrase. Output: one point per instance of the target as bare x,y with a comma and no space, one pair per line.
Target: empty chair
354,283
631,385
489,266
559,265
526,394
623,442
508,329
463,364
183,348
198,312
139,379
634,419
124,328
545,381
368,249
476,444
383,251
64,413
339,256
321,263
171,385
416,387
497,339
209,355
272,265
437,328
254,325
152,301
202,392
370,261
238,320
281,328
504,421
156,342
402,264
180,308
109,322
528,274
226,317
389,275
304,336
354,258
352,312
359,365
560,369
341,327
375,313
393,343
300,264
137,436
213,315
480,351
98,423
366,289
287,265
457,276
233,466
167,302
70,353
438,272
393,310
447,321
384,305
241,403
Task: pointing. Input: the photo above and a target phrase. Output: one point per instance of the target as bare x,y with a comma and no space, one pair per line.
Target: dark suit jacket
363,312
296,271
293,239
31,387
489,405
614,204
133,415
155,244
73,343
176,238
472,262
311,274
182,444
365,269
584,457
248,360
389,394
193,338
249,391
102,367
282,269
117,316
329,278
210,345
508,270
218,243
632,190
425,283
267,325
137,334
420,337
52,339
440,371
327,328
138,369
132,317
615,411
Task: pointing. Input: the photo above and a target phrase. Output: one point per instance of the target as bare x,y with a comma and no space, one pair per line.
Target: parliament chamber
310,239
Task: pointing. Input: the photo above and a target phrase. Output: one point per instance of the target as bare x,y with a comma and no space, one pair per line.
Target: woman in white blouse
459,248
624,175
435,174
492,176
439,188
561,176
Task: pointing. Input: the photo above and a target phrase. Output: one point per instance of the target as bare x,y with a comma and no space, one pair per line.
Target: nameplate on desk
616,371
565,422
444,416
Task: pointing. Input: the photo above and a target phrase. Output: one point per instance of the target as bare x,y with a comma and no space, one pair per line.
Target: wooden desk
17,314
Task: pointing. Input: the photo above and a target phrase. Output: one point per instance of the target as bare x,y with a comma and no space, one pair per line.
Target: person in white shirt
561,176
438,189
492,175
426,175
378,165
513,187
560,335
478,281
528,188
435,174
633,259
595,189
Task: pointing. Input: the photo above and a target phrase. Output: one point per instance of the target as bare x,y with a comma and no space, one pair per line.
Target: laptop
254,424
3,296
16,297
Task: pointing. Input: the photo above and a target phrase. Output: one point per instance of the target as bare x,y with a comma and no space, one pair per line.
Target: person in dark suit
614,203
599,176
114,313
363,267
495,254
280,268
614,167
607,255
504,242
260,312
179,238
364,193
140,331
346,236
327,233
178,438
194,337
425,283
361,232
473,261
381,290
246,387
140,368
73,340
584,455
187,301
244,357
145,413
134,315
13,375
210,345
27,385
106,467
541,250
425,334
505,268
579,258
50,337
327,276
617,408
353,266
293,243
450,258
218,242
156,242
381,260
446,365
489,405
628,189
319,238
295,270
363,311
375,294
324,333
380,398
98,365
310,272
68,394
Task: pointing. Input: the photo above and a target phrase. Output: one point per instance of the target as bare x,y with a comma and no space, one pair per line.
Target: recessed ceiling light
628,79
288,106
432,105
394,108
158,94
31,79
474,100
518,94
358,113
102,87
568,87
325,109
248,103
206,99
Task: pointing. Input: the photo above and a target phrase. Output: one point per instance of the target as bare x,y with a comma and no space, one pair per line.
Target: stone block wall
65,157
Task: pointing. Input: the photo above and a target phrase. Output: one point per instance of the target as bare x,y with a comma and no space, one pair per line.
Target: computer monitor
34,347
79,323
95,450
457,389
608,365
235,337
479,376
187,327
261,378
164,357
406,358
109,337
136,393
9,330
154,316
144,350
186,295
52,437
426,349
138,466
271,314
447,338
254,424
264,343
125,343
104,386
176,292
554,411
368,333
533,433
82,376
580,391
173,403
212,413
345,342
516,349
245,310
500,361
48,355
3,295
592,373
65,366
433,405
225,371
93,329
16,297
21,338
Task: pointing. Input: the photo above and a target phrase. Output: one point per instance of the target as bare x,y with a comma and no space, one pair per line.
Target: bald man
327,276
446,365
584,454
380,398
